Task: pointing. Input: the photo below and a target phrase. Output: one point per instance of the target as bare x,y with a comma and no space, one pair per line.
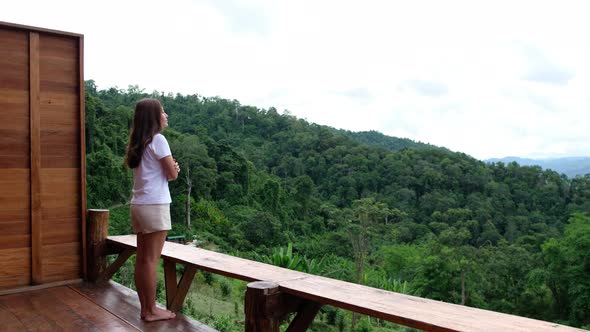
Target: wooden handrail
287,291
274,292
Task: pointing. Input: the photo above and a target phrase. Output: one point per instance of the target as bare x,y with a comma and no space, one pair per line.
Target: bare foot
158,314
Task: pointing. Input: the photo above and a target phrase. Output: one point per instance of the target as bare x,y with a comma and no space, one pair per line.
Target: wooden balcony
272,295
83,307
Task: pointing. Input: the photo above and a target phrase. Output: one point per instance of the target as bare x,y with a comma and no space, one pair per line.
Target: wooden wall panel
42,185
60,145
16,271
15,227
61,261
14,99
60,158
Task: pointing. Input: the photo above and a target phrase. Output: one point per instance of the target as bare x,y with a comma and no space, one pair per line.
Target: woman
148,154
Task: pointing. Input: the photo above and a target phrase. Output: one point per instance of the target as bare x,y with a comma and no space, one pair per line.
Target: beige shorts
149,218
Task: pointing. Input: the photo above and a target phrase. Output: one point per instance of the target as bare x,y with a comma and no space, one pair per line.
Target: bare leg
138,271
149,248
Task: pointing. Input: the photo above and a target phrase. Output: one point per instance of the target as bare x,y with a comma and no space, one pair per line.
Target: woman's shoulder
159,138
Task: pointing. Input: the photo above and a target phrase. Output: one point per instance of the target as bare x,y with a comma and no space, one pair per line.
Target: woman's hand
171,168
176,166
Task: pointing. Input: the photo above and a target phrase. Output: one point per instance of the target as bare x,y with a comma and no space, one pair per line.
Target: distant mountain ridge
570,166
391,143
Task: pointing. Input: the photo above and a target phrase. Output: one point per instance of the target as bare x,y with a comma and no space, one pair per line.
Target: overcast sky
488,78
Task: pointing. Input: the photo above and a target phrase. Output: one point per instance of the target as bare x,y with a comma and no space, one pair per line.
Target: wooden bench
275,292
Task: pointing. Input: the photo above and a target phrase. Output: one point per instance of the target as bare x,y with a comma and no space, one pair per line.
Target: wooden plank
82,126
14,191
60,194
56,45
409,310
183,287
97,231
94,316
61,120
71,211
15,241
403,309
9,214
60,309
20,27
62,261
114,267
16,267
125,303
14,125
261,297
170,281
38,287
60,99
27,311
230,266
62,268
14,61
61,230
14,227
9,321
304,317
65,87
35,116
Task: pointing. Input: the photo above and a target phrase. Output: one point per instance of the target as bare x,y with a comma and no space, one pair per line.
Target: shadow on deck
107,306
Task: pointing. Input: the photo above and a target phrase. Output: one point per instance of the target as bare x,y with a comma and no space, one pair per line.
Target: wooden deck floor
83,307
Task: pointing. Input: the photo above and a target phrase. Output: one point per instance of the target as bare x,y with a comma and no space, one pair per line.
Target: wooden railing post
97,229
261,298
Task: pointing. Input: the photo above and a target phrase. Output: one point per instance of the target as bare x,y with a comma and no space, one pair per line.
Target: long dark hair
146,123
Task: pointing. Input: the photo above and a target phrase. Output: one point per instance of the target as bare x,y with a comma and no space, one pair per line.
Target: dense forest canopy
363,207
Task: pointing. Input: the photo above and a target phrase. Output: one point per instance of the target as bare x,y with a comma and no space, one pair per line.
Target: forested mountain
570,166
378,139
418,219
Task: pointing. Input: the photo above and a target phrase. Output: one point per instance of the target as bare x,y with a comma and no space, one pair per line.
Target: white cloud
486,78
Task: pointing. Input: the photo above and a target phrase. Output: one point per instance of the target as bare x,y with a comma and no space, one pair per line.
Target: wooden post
97,231
262,298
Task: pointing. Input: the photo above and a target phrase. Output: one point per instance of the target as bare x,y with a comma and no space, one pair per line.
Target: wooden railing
275,292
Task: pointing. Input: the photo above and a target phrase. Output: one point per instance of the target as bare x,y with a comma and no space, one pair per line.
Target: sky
487,78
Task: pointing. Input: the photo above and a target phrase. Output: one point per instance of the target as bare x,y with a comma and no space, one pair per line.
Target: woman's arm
171,168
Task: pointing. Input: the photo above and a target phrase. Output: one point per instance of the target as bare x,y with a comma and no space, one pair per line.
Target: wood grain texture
62,261
116,265
15,226
20,27
170,281
14,60
257,302
16,267
35,141
56,309
82,125
305,316
60,192
183,287
125,304
14,99
39,287
57,231
97,231
210,261
41,122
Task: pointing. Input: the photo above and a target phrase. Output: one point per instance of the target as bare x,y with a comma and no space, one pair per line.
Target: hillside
420,220
378,139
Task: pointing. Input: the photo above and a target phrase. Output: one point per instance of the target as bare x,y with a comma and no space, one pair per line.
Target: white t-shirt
150,184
